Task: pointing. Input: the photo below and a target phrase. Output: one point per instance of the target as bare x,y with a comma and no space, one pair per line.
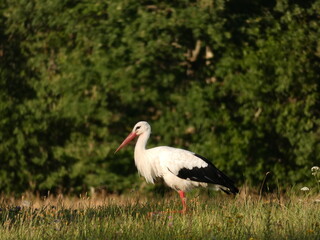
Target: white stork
180,169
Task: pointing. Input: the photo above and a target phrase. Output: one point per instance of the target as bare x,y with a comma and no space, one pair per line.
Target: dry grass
126,217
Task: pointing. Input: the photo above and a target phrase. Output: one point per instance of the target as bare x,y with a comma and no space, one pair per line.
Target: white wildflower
315,169
305,189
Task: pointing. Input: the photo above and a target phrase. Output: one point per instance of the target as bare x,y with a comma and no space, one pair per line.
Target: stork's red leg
184,206
183,200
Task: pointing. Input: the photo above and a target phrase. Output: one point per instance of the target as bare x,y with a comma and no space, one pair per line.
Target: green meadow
210,216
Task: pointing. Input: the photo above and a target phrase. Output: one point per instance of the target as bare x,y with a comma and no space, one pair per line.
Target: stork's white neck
141,143
142,159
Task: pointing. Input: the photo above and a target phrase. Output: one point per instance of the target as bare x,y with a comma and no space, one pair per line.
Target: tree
239,86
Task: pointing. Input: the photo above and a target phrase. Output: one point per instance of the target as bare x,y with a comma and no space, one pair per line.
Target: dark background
235,81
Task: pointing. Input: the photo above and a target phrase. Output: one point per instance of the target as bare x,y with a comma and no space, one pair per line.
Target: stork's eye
138,127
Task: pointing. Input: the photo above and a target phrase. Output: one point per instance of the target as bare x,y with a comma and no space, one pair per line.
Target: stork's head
138,129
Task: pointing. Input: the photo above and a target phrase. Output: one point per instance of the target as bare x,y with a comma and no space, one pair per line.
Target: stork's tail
230,189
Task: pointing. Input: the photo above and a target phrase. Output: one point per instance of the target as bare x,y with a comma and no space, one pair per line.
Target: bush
236,85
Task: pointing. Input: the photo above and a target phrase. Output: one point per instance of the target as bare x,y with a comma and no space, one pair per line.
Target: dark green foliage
235,81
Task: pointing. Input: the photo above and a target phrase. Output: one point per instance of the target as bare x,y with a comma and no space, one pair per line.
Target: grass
126,217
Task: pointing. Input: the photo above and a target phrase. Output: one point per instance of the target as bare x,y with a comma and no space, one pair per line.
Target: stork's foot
165,213
183,211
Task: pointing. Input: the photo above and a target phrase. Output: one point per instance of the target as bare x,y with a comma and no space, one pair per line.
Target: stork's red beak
130,137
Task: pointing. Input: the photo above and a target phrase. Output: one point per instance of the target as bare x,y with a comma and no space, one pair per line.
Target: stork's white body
180,169
165,162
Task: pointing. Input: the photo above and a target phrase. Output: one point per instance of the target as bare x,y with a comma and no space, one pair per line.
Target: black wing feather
209,174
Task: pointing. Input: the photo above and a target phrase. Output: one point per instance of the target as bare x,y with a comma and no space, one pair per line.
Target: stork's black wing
209,174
